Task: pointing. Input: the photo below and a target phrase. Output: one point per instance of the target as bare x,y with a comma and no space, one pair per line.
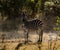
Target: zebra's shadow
25,46
18,46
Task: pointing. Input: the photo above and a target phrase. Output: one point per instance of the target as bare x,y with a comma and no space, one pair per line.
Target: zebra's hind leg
40,36
40,39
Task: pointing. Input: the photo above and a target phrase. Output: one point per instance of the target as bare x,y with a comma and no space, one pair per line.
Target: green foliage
32,0
57,29
57,23
12,7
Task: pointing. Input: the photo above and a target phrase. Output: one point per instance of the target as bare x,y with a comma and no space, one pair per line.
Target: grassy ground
55,45
46,45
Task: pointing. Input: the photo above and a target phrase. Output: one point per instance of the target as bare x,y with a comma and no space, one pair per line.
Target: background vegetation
11,10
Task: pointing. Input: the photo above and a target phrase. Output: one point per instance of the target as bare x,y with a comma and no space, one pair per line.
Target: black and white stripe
33,24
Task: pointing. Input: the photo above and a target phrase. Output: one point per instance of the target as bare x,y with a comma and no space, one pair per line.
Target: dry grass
46,45
31,46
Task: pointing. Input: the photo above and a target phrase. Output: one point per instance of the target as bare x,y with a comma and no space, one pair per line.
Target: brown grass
31,46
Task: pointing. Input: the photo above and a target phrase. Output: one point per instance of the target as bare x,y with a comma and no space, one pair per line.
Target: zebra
33,25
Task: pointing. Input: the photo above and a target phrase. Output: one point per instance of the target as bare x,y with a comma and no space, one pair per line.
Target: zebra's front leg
27,36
